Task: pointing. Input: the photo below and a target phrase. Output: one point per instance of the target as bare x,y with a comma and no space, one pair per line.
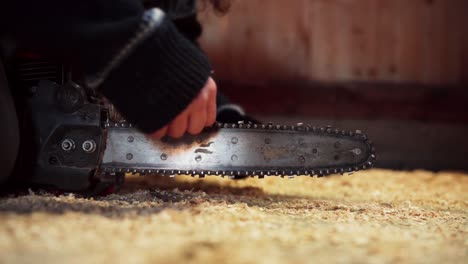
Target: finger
160,133
211,105
196,122
178,127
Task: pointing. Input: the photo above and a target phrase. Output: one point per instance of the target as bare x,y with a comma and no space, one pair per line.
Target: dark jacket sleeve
135,57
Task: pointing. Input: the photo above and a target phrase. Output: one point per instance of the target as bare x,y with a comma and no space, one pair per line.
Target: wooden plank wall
398,41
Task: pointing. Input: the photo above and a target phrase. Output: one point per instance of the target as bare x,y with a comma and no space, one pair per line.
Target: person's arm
135,57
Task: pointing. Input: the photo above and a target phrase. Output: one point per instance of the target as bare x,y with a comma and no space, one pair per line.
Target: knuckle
157,136
196,130
213,86
176,132
176,135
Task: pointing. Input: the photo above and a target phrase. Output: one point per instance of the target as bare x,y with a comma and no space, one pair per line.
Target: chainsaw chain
328,130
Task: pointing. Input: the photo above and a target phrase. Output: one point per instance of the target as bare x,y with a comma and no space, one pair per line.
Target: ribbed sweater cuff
158,79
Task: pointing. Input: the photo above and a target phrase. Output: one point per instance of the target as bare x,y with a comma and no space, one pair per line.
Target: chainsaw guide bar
238,150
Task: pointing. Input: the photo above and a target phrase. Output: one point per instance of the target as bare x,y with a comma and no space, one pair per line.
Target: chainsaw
77,141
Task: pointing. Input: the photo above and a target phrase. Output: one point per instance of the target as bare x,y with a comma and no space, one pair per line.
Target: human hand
200,113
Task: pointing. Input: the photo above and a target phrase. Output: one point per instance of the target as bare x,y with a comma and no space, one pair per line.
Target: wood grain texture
413,41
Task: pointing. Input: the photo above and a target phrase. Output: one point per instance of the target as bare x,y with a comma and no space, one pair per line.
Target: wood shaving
376,216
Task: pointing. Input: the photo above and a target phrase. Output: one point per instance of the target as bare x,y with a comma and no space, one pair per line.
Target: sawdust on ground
376,216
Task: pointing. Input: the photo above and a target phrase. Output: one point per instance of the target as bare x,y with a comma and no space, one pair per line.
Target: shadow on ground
152,195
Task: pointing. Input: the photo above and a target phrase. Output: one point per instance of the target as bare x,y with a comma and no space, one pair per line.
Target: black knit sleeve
158,79
135,57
